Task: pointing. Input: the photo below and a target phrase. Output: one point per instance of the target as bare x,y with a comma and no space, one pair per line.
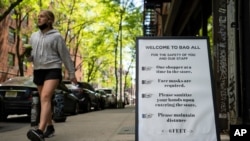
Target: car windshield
101,92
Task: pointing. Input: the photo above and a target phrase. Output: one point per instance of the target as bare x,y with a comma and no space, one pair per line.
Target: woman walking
49,52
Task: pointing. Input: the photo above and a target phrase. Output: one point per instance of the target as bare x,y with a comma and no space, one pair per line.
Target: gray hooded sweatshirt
49,51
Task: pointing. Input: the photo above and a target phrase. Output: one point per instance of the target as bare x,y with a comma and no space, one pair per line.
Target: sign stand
175,94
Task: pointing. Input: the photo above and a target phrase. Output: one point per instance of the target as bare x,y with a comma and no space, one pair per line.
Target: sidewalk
103,125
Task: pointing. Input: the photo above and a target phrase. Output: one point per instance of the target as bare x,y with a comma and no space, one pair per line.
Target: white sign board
174,90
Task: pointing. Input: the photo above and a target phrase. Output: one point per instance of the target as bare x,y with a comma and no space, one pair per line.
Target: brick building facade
8,50
8,56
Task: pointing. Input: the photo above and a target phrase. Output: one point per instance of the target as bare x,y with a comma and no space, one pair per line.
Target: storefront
229,46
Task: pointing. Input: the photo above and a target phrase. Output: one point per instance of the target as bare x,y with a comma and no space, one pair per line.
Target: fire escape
152,24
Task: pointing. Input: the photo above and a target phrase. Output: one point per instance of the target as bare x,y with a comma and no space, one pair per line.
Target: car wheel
113,105
97,106
110,105
61,119
3,117
103,105
88,106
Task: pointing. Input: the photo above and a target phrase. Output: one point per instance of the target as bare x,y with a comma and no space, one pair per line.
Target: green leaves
94,30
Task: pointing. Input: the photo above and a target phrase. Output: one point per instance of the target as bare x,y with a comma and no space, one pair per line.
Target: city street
104,125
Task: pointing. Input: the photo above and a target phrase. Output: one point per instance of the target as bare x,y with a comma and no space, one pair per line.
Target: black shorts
46,74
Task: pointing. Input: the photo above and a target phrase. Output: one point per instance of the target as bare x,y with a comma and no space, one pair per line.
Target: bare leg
50,117
46,92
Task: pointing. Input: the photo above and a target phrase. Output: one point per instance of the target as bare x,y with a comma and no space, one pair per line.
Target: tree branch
12,6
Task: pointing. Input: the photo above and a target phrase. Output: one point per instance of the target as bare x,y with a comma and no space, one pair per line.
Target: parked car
71,105
87,98
111,97
123,100
103,99
16,97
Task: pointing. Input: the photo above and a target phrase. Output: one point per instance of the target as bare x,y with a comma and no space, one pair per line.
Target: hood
52,31
19,81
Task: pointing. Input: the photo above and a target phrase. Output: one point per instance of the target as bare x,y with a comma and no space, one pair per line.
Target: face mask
43,26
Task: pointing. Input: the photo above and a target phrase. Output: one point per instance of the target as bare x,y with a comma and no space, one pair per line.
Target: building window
11,38
11,59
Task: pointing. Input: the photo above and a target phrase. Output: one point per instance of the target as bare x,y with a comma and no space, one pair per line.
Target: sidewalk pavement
104,125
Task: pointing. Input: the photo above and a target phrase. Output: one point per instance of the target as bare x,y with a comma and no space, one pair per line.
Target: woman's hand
73,80
27,50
